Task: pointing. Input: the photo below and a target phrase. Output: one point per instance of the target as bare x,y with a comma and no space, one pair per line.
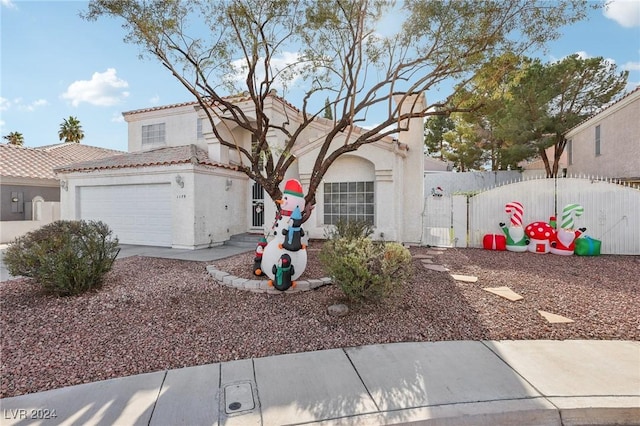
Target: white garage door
137,214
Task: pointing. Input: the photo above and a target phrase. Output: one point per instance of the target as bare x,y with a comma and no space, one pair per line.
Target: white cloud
9,4
104,89
631,66
624,12
285,64
116,117
33,105
6,104
155,100
583,55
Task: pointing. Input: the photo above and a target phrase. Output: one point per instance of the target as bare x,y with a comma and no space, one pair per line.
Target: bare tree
344,51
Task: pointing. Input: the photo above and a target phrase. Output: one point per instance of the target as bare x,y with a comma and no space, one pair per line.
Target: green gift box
587,246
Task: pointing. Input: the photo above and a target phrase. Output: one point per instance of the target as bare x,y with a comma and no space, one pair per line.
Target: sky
54,64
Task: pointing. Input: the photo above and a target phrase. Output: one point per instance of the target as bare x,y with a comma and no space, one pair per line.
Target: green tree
463,146
342,52
327,110
435,127
486,95
71,130
552,98
14,138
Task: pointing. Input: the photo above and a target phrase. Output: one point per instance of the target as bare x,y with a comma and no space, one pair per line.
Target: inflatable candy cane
515,209
570,212
564,239
516,239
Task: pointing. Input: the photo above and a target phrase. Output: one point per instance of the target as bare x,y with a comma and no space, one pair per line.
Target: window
153,135
597,140
348,201
199,134
569,152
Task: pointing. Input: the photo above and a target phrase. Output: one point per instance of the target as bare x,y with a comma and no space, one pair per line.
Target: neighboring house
535,167
29,189
179,186
27,173
606,144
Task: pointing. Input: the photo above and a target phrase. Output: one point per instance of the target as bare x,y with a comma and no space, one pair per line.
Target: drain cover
238,397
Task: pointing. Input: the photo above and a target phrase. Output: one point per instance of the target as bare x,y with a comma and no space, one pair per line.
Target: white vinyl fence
611,212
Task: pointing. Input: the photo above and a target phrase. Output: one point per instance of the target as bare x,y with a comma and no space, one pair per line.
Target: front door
257,207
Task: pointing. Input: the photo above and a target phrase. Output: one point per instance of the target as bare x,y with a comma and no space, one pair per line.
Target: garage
137,214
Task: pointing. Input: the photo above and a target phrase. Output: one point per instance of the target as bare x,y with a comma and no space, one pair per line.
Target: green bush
349,229
366,271
65,257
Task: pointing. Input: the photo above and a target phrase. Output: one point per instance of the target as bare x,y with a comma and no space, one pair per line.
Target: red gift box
494,242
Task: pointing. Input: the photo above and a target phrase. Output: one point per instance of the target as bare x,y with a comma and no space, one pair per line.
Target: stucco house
179,186
607,144
29,189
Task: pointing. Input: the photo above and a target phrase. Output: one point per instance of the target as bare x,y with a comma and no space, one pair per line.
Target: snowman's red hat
293,187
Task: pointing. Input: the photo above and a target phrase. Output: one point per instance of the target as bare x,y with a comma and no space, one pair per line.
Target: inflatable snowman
285,257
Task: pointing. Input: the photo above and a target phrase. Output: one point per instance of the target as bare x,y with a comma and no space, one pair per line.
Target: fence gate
445,220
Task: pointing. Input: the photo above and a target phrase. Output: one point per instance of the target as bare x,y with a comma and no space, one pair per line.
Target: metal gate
257,206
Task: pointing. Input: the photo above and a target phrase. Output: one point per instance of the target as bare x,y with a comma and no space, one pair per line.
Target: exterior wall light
228,184
64,185
180,181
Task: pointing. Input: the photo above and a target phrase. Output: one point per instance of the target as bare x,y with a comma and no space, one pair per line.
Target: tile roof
38,163
78,152
156,157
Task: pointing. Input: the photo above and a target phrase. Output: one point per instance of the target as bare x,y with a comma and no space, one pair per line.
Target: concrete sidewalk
437,383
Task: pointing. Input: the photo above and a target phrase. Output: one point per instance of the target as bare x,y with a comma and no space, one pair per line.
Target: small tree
14,138
71,130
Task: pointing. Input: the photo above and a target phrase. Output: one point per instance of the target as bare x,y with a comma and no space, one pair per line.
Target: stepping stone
554,318
438,248
434,253
465,278
427,261
438,268
505,292
422,256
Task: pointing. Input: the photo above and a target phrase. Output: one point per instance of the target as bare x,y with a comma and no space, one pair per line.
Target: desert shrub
366,271
349,229
65,257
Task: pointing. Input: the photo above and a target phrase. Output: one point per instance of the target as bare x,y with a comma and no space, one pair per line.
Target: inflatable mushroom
540,235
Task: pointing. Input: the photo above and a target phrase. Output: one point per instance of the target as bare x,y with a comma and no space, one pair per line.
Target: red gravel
156,314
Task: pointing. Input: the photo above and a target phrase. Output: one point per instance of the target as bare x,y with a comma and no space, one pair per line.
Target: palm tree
14,138
71,130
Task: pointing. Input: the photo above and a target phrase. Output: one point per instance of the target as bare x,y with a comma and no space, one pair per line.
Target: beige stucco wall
619,142
198,210
180,127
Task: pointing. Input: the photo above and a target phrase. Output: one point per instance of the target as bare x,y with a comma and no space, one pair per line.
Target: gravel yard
154,314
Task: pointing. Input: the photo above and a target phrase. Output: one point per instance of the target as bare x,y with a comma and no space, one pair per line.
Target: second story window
199,134
153,135
597,140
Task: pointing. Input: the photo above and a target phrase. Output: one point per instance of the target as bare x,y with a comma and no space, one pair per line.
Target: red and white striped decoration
515,209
